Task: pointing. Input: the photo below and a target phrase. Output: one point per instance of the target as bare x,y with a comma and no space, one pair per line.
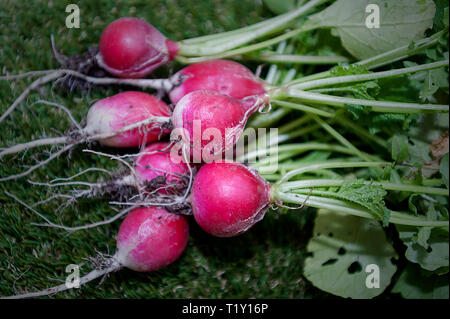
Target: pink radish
156,161
133,48
113,113
154,175
148,239
209,123
130,119
151,238
127,119
228,198
224,76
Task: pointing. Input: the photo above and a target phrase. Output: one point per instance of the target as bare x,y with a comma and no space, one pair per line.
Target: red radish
133,48
154,174
156,161
210,123
113,113
151,238
131,118
228,198
224,76
127,119
148,239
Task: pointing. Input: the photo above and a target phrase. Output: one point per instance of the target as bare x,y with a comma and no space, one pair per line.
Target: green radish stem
352,209
297,59
291,150
291,186
385,58
376,106
367,77
222,42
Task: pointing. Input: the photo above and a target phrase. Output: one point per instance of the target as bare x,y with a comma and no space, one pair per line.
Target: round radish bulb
228,198
118,111
226,77
133,48
209,123
151,238
156,161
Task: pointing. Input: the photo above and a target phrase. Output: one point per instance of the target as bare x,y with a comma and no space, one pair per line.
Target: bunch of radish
172,168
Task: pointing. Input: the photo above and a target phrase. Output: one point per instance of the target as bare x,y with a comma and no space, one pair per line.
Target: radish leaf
400,22
342,247
415,283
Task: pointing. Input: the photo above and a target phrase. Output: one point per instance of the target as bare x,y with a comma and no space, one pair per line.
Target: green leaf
400,22
434,80
423,236
415,283
443,168
342,247
399,148
377,122
441,15
411,150
432,258
366,195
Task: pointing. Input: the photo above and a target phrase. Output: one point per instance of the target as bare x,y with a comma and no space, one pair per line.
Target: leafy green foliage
342,247
435,256
366,195
441,17
410,150
434,80
379,122
415,283
400,23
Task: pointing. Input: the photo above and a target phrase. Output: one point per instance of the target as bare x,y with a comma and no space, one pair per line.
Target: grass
266,262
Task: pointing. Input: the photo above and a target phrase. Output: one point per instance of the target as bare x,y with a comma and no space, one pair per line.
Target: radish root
68,228
107,266
77,136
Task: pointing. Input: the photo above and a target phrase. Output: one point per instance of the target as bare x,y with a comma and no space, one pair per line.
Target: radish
127,119
228,198
133,48
113,113
148,239
155,162
209,123
224,76
154,178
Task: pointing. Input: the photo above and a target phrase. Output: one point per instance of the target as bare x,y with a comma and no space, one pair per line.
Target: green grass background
266,262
